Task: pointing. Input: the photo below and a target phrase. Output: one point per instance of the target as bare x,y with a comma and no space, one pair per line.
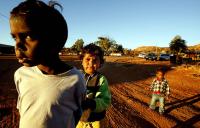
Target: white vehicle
142,55
115,54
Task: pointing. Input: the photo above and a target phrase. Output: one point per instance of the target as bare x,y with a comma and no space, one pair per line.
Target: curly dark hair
161,69
93,49
44,20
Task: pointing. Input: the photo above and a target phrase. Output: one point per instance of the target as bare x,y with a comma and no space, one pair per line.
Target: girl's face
28,48
160,75
91,63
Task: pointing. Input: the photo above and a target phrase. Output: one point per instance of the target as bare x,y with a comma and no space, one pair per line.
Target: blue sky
132,23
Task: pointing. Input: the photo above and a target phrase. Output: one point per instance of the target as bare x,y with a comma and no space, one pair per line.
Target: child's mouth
23,60
90,68
21,56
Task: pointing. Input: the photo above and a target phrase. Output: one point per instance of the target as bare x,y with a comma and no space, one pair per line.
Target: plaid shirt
160,87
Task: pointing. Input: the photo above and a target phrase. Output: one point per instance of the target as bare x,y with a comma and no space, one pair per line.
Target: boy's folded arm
101,104
103,96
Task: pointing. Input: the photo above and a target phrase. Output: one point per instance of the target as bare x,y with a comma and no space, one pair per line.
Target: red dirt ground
128,79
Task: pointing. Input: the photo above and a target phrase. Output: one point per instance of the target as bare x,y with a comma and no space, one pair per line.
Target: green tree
177,46
105,43
120,49
116,48
113,47
109,45
78,45
127,51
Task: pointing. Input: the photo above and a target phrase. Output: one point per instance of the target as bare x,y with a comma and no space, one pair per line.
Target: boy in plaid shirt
160,90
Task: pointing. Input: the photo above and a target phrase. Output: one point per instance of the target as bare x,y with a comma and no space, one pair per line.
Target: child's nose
90,63
20,44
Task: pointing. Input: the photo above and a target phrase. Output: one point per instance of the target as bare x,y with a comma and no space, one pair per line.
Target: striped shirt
160,87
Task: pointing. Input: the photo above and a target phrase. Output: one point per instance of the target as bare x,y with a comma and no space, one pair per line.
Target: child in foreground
50,92
98,96
160,90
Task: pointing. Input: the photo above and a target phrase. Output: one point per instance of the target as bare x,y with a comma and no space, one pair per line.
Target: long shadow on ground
117,73
186,102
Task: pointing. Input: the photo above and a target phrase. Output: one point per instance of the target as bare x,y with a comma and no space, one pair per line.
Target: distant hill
5,45
162,49
195,47
6,49
151,49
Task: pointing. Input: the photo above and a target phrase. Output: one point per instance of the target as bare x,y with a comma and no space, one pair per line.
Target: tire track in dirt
122,113
185,98
183,109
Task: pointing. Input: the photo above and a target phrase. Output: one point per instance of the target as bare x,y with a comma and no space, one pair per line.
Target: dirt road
128,79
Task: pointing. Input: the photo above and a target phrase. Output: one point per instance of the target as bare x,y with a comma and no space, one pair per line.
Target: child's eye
32,36
28,38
